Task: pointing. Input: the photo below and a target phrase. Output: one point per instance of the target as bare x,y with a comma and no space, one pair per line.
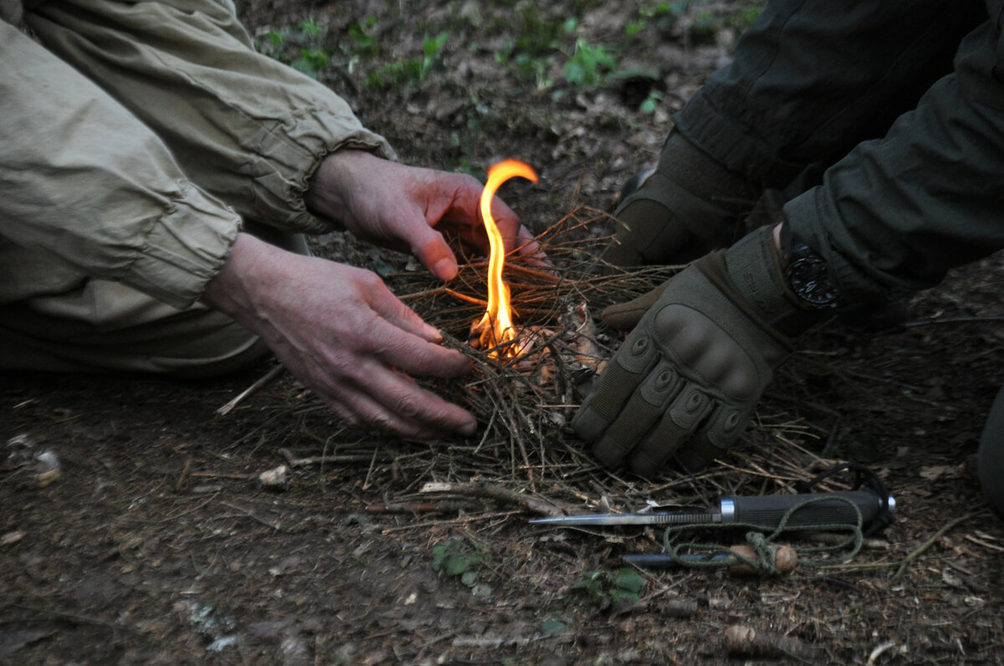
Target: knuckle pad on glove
702,346
726,425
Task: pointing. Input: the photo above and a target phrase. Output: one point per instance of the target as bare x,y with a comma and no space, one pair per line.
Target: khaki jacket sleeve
246,128
81,179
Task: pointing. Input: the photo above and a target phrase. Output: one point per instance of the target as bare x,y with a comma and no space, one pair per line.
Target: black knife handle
819,509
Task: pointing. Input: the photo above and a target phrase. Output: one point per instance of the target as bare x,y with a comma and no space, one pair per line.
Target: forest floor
157,543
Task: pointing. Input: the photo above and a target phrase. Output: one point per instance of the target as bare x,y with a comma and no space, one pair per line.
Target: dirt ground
156,542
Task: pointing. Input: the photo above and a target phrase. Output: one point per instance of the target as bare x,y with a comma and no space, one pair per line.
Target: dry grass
525,405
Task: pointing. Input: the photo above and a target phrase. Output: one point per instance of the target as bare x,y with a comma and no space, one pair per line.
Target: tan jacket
136,136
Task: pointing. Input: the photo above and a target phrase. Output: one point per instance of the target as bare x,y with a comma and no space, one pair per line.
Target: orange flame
496,325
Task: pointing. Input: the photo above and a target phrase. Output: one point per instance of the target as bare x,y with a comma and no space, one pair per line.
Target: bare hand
410,208
341,332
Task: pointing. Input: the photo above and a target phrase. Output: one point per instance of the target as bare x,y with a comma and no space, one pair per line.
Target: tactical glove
687,206
686,381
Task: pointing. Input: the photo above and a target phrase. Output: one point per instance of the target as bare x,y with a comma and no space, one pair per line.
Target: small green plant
552,627
537,34
744,17
362,44
588,64
651,102
455,559
602,589
410,69
299,48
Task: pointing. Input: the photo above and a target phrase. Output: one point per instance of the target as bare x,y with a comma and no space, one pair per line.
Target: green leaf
470,578
432,46
438,557
588,64
383,269
553,627
456,564
310,29
629,580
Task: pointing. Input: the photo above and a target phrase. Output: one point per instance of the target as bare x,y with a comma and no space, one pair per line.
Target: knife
764,511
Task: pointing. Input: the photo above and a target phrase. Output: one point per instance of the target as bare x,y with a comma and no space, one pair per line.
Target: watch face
809,279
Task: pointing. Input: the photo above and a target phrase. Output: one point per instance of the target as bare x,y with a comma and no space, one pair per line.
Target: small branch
481,489
465,297
747,641
293,461
930,542
953,320
272,374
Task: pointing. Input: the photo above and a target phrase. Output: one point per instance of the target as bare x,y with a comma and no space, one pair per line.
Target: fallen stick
272,374
480,489
747,641
930,542
293,461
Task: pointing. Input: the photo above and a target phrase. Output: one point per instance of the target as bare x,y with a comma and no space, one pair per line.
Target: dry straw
524,406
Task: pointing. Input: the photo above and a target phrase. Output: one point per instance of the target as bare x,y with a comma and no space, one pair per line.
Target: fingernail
432,333
469,429
445,269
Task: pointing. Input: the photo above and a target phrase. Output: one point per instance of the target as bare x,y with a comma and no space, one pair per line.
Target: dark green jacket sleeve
898,212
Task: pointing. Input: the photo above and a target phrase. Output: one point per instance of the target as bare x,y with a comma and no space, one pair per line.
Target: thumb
434,252
625,316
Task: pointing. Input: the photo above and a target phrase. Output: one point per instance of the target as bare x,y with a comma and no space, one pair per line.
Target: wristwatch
806,273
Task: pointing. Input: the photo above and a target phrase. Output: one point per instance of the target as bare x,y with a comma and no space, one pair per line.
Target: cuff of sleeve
817,225
184,249
305,138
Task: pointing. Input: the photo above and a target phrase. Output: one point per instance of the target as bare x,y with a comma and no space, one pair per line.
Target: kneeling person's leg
990,458
109,327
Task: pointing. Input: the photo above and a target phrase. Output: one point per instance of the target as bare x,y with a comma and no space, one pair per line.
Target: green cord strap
712,556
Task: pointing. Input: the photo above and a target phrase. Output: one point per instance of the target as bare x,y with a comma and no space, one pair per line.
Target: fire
496,326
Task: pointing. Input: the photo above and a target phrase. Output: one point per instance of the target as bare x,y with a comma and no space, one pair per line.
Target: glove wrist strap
754,267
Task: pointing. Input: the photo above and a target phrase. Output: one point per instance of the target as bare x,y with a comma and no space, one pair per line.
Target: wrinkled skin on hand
416,210
339,329
341,332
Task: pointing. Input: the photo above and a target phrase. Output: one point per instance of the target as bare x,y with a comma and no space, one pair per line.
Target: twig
930,542
250,514
272,374
321,460
742,640
458,521
879,649
953,320
482,489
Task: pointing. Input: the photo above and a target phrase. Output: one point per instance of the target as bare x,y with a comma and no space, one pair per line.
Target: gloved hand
686,207
686,381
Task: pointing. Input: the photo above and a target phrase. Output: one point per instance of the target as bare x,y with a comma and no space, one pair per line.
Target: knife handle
820,509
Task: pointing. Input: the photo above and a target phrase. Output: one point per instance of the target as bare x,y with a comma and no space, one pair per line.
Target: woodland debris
269,376
481,489
749,642
276,478
681,608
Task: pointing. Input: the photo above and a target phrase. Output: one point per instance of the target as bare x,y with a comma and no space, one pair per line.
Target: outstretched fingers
394,401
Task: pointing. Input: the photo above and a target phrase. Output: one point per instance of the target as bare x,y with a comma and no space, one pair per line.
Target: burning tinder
495,328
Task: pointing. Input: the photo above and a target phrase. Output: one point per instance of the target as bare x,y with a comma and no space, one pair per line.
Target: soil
156,541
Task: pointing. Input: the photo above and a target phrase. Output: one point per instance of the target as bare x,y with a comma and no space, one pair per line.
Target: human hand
687,380
410,208
342,333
